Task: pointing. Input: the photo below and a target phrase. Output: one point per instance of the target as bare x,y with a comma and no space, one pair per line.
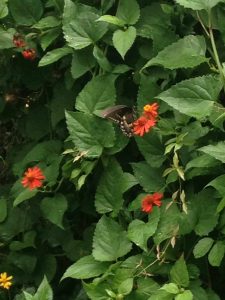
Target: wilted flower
33,178
5,280
29,54
150,200
18,41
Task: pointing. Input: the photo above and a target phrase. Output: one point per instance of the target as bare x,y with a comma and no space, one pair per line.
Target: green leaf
47,22
126,286
107,230
171,288
80,27
216,254
89,133
82,62
24,195
128,11
44,291
102,59
112,20
123,40
3,9
191,51
194,97
54,55
202,247
139,232
86,267
206,218
6,39
179,273
98,94
150,146
109,194
26,12
3,208
199,4
96,291
149,178
28,241
186,295
54,208
218,184
168,224
48,37
217,151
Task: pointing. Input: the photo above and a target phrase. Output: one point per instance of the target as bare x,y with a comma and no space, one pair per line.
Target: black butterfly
123,116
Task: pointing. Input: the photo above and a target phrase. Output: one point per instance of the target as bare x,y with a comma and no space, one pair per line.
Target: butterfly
122,115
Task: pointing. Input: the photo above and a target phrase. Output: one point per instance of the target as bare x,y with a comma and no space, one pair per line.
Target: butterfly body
123,116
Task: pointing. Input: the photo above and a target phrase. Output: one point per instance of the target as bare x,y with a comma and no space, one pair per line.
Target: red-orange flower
142,125
29,54
33,178
150,200
151,110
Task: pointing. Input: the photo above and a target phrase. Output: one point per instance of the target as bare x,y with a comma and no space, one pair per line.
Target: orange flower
29,54
142,125
150,200
151,110
5,281
33,178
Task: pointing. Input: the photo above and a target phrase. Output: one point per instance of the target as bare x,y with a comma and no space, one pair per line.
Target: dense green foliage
83,235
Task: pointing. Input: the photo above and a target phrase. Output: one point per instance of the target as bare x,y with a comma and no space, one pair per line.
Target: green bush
85,211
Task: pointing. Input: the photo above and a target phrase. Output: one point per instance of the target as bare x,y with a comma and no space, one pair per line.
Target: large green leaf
149,178
86,267
3,9
110,240
217,151
89,133
202,247
199,4
109,194
44,291
123,40
54,55
139,232
194,97
179,273
26,12
54,208
191,51
98,94
216,254
80,27
128,11
218,184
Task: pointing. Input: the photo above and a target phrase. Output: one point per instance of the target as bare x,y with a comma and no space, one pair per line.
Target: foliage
82,233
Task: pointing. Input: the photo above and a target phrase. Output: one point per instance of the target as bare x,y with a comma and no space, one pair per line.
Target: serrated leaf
112,20
86,267
54,208
139,232
44,291
194,97
126,286
108,230
179,273
82,62
191,51
54,55
199,4
202,247
186,295
89,133
109,194
149,178
98,94
216,254
217,151
171,288
47,22
24,195
3,9
128,11
123,40
26,12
